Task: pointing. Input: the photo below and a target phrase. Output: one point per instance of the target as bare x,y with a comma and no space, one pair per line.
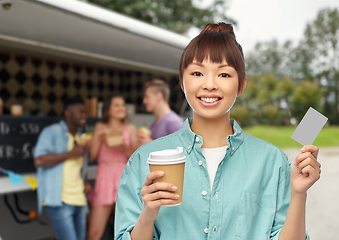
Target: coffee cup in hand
172,163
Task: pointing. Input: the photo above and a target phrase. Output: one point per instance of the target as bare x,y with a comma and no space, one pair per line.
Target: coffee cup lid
168,156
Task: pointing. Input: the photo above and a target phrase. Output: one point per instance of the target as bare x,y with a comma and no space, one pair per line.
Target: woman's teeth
209,100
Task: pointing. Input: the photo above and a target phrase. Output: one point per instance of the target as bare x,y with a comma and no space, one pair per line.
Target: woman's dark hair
107,106
216,43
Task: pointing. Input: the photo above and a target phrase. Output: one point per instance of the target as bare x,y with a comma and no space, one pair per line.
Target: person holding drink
61,161
114,140
236,186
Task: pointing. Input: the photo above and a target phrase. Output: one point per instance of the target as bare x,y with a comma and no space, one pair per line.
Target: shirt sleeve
44,144
283,200
129,201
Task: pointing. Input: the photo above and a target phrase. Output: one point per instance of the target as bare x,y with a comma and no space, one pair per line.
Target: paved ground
322,211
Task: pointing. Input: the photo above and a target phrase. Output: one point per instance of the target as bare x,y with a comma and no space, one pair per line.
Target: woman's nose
210,83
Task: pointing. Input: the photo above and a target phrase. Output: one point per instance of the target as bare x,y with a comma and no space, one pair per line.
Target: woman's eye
224,75
197,74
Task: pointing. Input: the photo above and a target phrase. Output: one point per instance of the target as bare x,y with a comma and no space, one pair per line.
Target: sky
264,20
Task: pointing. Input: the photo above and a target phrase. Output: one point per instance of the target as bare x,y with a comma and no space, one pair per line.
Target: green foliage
175,15
262,98
321,40
305,95
271,114
315,57
270,57
266,84
242,114
269,100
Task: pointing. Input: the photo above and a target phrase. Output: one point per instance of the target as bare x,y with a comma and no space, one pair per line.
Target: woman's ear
243,87
182,87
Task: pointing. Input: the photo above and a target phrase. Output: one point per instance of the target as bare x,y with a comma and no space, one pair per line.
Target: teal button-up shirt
249,199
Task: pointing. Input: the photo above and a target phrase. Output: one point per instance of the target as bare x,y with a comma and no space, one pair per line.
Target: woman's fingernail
176,196
174,188
161,173
303,149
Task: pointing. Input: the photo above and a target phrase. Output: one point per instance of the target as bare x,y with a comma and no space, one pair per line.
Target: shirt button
204,193
216,195
197,139
200,163
206,230
189,147
233,148
214,229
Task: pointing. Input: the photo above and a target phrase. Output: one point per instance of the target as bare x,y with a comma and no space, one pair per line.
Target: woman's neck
213,131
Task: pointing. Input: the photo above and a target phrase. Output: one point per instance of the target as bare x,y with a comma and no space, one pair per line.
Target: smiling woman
236,186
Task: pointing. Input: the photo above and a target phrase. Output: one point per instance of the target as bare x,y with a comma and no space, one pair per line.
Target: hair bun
219,27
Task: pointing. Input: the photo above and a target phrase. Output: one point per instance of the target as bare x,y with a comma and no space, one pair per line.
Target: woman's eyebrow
198,63
223,65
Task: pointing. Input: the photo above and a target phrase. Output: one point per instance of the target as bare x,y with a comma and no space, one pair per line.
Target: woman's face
118,108
210,88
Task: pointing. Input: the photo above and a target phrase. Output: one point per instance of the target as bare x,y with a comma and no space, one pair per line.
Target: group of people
236,186
61,159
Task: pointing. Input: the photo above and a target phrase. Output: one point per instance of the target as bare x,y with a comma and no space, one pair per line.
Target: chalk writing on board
25,128
4,128
18,137
9,152
29,128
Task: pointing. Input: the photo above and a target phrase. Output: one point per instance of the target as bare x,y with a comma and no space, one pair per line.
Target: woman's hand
155,195
305,170
101,132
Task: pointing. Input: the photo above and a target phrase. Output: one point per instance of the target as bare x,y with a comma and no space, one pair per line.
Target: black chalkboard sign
18,136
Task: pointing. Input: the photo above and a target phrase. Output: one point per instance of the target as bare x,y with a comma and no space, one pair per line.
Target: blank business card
309,127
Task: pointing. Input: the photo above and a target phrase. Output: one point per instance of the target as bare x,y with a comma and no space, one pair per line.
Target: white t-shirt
213,157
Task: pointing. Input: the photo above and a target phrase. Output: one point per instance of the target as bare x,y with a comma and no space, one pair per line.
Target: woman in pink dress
111,161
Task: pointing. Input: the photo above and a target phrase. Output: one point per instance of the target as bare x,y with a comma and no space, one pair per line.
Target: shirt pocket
256,215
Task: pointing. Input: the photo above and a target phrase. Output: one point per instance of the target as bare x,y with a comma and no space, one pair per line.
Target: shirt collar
63,125
189,138
234,141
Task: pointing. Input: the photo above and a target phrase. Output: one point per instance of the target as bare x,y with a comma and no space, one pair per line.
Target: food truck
51,50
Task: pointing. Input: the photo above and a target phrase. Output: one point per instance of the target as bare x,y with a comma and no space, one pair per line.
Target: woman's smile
209,100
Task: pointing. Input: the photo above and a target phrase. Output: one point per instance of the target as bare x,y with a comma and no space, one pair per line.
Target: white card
309,127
